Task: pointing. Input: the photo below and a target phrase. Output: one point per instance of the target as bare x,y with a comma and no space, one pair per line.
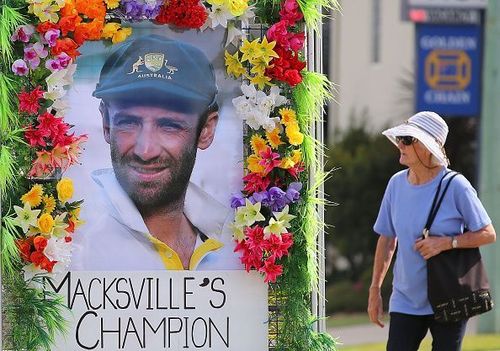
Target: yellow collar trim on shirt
171,259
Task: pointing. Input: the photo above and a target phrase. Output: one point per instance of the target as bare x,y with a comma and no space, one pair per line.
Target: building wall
362,83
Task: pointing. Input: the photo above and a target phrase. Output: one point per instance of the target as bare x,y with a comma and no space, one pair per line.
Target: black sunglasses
406,140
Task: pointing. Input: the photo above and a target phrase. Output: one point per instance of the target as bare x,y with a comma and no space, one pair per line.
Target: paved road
370,333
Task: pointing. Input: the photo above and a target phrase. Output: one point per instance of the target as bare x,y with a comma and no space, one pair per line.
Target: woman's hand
432,245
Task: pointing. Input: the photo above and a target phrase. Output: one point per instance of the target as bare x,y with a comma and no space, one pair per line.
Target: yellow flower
273,137
233,64
253,164
287,162
112,4
250,50
121,35
110,29
34,196
45,223
65,189
287,116
259,65
295,137
216,2
237,7
49,204
258,144
266,49
296,156
260,80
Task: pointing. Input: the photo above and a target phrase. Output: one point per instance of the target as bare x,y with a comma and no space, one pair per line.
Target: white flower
249,90
58,249
275,95
242,105
61,106
219,15
57,82
26,217
247,16
234,34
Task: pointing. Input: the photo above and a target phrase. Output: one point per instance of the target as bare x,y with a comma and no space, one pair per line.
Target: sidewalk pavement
371,333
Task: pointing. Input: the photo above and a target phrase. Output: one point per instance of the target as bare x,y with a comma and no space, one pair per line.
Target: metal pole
489,175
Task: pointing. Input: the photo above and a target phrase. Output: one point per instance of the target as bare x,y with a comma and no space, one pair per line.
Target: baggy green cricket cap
158,70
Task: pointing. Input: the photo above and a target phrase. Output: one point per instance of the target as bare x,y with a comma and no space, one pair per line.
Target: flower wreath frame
277,214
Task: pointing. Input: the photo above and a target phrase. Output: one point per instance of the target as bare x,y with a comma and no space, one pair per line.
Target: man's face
153,150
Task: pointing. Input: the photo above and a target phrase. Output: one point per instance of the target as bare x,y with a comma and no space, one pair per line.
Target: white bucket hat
429,128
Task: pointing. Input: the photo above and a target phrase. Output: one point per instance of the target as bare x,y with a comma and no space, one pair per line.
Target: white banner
164,310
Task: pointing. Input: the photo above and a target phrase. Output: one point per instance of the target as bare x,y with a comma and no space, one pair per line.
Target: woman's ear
207,133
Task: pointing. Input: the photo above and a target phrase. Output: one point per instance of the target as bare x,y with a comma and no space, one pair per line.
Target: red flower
37,257
68,239
36,137
255,239
255,182
40,243
183,14
296,169
270,160
271,270
278,245
66,45
24,248
45,26
28,101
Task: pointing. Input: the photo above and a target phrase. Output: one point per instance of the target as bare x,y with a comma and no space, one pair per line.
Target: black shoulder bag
457,284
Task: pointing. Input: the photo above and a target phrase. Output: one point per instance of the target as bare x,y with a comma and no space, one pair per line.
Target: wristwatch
454,242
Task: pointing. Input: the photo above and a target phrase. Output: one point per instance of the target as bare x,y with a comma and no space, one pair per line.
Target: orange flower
42,165
88,31
273,138
69,23
91,8
66,45
69,9
45,26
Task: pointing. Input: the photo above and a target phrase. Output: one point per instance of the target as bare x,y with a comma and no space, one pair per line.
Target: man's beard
167,191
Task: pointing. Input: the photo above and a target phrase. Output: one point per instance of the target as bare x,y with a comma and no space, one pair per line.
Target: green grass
484,342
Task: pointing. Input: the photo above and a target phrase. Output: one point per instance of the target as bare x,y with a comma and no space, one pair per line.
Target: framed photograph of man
163,156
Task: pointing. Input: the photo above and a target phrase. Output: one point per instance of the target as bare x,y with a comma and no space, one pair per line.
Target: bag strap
436,204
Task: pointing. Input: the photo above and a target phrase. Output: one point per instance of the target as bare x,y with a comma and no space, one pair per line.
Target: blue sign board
449,69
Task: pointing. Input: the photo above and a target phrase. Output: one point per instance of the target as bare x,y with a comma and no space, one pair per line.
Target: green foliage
10,19
365,163
10,254
312,11
34,315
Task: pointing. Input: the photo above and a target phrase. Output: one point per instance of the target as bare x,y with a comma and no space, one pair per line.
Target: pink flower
23,33
277,32
33,53
51,36
290,12
19,67
270,160
271,270
296,41
53,65
64,59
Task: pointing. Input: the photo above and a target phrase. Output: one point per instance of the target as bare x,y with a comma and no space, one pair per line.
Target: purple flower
64,59
51,36
136,10
261,196
237,200
293,191
20,68
277,199
53,65
33,53
23,33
